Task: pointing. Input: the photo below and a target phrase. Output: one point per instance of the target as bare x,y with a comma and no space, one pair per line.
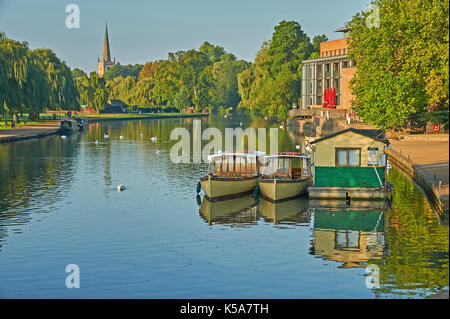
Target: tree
148,71
402,66
317,40
123,70
272,83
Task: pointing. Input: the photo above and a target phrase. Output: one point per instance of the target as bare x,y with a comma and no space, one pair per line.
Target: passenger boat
285,176
231,175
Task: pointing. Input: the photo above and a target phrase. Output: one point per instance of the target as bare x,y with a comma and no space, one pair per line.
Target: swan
106,136
154,138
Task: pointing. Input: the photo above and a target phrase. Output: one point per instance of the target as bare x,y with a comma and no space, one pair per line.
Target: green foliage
438,117
93,91
317,40
272,83
202,78
123,71
33,80
403,64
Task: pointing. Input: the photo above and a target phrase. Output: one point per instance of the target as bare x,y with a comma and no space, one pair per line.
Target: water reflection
65,180
293,212
352,236
234,212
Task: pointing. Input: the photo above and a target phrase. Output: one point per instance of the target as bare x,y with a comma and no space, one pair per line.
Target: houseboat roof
379,135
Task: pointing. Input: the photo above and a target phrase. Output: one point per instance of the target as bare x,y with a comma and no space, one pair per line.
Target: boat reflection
353,236
246,211
293,211
240,211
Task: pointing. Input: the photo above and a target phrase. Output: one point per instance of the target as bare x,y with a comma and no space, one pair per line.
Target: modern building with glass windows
332,70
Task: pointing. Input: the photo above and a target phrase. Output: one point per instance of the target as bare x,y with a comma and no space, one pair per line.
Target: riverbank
27,132
48,128
425,160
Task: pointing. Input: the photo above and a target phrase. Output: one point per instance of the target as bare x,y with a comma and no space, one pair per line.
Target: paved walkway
429,155
46,127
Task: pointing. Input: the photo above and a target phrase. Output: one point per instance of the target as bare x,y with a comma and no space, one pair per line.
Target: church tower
105,64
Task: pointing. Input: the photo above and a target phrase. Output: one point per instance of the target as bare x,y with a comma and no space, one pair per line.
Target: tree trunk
15,118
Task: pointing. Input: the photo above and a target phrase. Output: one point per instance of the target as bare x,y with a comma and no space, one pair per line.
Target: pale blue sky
146,30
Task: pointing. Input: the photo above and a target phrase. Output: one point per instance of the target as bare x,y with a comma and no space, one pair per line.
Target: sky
147,30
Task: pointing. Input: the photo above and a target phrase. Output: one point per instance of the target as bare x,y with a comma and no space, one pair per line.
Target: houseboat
285,176
350,164
231,174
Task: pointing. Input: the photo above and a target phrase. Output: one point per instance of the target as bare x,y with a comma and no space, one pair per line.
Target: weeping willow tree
33,80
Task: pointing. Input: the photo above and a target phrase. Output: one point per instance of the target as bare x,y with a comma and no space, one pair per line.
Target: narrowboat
231,174
285,176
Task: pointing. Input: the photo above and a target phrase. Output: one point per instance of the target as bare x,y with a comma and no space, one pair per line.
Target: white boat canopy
220,154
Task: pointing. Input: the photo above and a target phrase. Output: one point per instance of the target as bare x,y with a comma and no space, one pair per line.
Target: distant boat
285,176
66,127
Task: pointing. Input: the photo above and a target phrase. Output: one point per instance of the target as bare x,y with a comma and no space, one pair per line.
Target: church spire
106,52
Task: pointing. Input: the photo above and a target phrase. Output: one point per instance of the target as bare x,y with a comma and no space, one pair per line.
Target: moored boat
232,174
285,176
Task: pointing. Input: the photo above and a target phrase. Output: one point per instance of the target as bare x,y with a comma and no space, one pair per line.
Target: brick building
331,72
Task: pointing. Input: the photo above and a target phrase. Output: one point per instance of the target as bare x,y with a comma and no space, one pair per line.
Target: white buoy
63,136
121,187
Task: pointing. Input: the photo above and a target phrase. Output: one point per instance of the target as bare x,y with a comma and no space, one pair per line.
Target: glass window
353,157
348,157
372,156
341,157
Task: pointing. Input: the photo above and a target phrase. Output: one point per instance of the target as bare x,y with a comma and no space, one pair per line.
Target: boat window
283,166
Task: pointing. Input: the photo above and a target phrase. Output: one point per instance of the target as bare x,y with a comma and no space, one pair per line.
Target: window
372,156
348,157
344,51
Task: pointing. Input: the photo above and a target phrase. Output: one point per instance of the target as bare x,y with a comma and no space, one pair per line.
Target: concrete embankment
425,160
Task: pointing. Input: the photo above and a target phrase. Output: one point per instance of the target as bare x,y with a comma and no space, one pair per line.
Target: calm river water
59,205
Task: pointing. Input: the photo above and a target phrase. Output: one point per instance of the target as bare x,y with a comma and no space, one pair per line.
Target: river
59,205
